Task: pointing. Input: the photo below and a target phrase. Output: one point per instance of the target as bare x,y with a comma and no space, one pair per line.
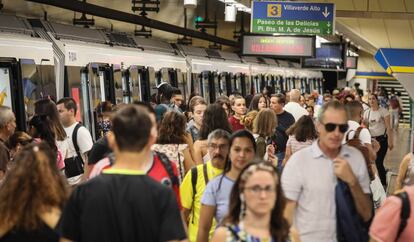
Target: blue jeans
280,156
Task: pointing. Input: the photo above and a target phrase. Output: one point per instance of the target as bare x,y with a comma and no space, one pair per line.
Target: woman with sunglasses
379,125
215,200
256,207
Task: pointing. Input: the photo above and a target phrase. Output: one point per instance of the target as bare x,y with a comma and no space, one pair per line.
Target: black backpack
405,212
194,177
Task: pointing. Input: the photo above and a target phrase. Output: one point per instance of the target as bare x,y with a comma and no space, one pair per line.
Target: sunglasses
330,127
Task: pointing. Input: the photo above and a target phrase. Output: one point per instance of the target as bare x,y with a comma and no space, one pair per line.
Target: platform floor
394,157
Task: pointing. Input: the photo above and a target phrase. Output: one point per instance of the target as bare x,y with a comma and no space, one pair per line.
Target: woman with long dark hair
215,200
47,108
40,128
214,118
32,196
256,208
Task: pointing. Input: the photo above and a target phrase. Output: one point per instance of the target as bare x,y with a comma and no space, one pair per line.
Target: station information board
269,17
278,46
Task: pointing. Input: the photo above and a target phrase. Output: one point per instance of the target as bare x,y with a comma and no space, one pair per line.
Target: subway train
40,59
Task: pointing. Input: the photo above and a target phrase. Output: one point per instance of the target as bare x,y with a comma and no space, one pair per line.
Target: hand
375,145
390,145
343,170
270,149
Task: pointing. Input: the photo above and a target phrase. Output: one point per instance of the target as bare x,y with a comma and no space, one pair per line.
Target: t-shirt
280,138
384,227
376,121
235,124
121,205
85,144
187,196
296,110
4,156
156,171
364,135
99,150
213,196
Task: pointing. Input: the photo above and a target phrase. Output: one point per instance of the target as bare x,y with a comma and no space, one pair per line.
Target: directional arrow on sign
328,24
326,13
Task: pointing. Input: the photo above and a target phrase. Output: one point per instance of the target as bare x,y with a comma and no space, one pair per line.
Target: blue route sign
293,18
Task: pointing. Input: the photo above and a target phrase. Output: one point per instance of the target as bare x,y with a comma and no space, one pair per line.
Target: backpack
356,143
168,167
194,177
405,212
74,165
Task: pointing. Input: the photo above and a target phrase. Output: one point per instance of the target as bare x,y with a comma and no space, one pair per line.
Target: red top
157,172
235,123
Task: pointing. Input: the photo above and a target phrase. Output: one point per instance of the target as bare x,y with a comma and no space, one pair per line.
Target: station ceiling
371,24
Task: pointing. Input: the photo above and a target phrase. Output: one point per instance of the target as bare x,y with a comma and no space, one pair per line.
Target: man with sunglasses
310,177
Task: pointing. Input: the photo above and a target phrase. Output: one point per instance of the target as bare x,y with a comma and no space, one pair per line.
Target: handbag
350,226
74,165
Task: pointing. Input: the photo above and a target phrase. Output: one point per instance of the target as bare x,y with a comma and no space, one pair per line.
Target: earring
242,207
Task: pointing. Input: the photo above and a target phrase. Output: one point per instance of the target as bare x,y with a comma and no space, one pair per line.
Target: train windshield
38,82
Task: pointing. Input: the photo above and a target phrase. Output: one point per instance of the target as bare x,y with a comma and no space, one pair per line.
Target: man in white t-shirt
293,105
67,111
355,109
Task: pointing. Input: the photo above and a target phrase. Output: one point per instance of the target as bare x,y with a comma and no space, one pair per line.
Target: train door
281,84
96,86
11,90
262,82
135,90
230,83
181,84
121,89
196,84
237,83
245,87
320,85
204,86
222,87
218,91
256,84
172,77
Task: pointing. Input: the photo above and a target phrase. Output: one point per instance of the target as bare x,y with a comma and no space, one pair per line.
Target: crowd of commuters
270,167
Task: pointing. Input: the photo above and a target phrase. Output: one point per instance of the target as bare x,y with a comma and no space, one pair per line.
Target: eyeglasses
330,127
220,147
257,190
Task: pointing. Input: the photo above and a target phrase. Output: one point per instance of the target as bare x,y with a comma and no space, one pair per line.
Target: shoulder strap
167,165
347,135
405,211
205,173
75,140
194,177
234,233
357,132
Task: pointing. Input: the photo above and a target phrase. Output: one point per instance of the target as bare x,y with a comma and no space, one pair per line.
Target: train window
5,90
38,82
134,85
152,81
120,85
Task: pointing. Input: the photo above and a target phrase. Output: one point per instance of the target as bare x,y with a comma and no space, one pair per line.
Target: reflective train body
40,59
